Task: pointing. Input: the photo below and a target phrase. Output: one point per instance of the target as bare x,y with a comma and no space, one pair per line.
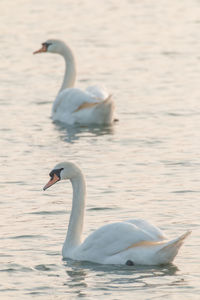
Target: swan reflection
81,274
76,278
71,134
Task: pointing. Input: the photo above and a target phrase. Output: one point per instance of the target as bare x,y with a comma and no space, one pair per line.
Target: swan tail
97,112
107,100
105,108
168,252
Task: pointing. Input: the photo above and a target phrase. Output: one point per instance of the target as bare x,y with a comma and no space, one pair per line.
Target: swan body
136,241
72,105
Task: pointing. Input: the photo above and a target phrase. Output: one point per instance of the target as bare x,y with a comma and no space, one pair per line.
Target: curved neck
75,227
70,68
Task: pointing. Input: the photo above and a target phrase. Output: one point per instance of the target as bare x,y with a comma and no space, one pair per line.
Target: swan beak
43,49
51,182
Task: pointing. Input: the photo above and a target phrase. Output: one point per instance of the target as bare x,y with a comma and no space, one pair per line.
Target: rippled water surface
147,165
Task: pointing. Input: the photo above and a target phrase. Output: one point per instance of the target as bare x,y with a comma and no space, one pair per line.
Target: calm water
146,166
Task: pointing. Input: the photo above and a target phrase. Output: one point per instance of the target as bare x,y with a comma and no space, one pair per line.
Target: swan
130,242
72,105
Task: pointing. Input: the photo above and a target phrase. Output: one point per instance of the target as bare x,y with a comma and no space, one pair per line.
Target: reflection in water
70,134
117,275
76,280
162,270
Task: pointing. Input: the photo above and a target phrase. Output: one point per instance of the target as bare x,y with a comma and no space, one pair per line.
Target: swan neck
75,227
70,68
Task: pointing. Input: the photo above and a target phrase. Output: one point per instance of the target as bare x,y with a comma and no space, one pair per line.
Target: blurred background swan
72,105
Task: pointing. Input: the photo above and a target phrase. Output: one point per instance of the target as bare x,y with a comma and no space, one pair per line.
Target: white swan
93,106
131,242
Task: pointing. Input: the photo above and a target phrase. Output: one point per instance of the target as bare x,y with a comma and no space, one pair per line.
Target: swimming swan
72,105
130,242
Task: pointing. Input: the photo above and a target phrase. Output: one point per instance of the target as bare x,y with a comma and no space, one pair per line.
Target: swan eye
55,171
51,174
46,45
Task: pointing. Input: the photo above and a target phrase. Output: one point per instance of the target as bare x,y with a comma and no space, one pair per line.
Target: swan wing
71,99
119,243
75,106
98,92
155,232
113,238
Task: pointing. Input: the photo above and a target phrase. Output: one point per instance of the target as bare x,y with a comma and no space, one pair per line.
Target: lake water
147,165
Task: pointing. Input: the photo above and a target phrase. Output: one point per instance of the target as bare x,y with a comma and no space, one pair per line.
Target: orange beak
51,182
43,49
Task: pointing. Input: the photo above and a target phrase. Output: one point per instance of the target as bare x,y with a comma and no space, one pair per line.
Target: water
147,165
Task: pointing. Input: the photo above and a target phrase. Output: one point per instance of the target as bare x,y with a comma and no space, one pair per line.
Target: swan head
64,170
52,46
